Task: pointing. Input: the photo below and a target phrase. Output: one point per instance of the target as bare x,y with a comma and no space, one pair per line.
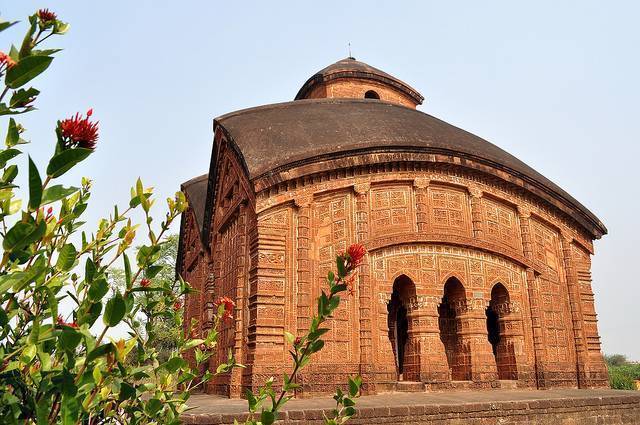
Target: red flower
61,322
79,132
46,16
177,305
6,60
228,306
145,283
356,254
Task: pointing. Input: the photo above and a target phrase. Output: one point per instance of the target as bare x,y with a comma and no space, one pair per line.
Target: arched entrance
398,321
503,350
458,354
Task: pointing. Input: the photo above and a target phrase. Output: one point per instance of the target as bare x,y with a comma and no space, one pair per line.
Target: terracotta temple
478,267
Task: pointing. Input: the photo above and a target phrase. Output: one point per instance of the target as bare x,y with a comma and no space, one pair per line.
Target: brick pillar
534,297
573,289
510,355
476,212
472,325
239,346
420,186
304,301
425,334
365,295
267,280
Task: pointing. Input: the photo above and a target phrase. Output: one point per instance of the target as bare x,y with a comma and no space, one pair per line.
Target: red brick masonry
557,406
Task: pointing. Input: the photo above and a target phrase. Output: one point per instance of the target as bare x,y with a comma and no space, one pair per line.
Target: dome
275,138
349,78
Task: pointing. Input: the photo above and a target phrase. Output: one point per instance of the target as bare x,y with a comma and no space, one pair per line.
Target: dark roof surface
196,191
273,136
349,67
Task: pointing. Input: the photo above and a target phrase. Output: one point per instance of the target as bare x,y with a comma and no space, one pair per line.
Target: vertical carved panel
449,211
304,301
365,299
422,204
332,224
555,313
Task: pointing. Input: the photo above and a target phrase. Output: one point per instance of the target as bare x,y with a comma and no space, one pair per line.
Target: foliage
54,276
162,333
55,287
615,359
304,347
622,374
621,378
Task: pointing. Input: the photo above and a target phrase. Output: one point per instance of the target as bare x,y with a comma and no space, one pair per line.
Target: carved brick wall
428,224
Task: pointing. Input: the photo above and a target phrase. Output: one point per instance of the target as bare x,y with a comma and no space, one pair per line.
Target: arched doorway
503,350
458,354
398,321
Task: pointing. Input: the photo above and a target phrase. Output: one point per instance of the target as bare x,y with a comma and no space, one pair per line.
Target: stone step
409,387
508,384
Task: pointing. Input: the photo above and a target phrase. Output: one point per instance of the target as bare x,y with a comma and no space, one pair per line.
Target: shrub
53,367
621,379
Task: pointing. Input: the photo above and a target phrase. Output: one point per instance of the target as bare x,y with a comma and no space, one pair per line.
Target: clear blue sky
554,83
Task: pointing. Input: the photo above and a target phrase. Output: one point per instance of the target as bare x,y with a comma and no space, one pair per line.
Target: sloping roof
351,68
196,191
276,136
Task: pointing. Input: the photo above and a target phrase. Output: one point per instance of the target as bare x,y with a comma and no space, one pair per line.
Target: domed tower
478,267
349,78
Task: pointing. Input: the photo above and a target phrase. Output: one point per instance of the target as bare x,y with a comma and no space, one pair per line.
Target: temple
478,267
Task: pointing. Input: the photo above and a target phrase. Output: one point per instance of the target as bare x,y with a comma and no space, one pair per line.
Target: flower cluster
145,282
78,132
6,60
46,16
228,306
356,253
62,322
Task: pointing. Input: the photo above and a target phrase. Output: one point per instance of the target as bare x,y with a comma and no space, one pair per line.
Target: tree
615,359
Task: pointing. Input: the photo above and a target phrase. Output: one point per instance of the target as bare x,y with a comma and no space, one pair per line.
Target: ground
557,406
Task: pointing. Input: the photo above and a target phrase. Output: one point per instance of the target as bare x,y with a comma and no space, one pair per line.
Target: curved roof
351,68
196,192
279,136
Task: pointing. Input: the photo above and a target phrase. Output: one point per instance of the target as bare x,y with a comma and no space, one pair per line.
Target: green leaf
66,160
115,310
316,345
22,96
317,333
153,407
151,271
100,351
26,70
23,234
66,257
7,24
35,186
7,154
98,289
69,339
342,271
127,270
174,363
354,386
10,173
267,417
57,192
127,392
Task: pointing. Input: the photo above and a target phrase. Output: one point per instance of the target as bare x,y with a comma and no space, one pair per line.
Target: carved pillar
472,323
533,293
476,212
420,187
365,295
424,333
510,351
235,380
573,289
304,301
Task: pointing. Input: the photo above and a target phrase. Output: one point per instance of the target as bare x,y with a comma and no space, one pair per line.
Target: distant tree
163,331
615,359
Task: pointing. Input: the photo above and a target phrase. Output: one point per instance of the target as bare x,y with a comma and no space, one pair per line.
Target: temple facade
478,267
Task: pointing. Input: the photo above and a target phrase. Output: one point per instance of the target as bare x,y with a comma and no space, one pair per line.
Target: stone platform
557,406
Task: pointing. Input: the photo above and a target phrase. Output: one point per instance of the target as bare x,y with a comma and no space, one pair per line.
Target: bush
53,367
621,379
